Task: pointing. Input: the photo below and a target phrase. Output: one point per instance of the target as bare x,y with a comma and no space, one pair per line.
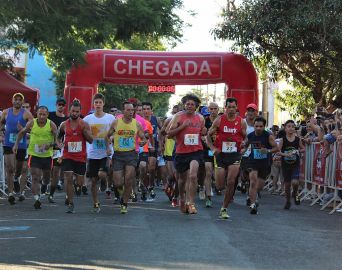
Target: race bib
191,139
125,143
99,144
258,154
74,147
293,157
248,152
229,147
40,148
210,153
13,138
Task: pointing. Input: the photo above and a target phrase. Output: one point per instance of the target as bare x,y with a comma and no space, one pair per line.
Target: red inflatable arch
165,68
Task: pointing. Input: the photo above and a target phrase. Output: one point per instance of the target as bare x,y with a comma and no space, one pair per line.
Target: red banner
161,89
339,166
302,167
318,165
166,69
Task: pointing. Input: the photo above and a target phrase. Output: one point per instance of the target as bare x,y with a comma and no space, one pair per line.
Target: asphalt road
156,236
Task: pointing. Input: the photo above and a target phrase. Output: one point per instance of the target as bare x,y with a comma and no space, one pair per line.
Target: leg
93,181
192,179
233,171
208,176
9,167
253,179
69,190
129,177
23,177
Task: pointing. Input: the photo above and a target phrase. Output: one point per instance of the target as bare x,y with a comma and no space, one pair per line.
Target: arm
111,131
213,129
141,134
28,116
60,135
21,133
274,145
87,133
176,127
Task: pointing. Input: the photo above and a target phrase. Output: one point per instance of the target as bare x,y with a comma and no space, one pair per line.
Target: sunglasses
113,110
61,104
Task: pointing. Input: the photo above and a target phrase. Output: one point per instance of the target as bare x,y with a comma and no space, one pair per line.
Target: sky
197,38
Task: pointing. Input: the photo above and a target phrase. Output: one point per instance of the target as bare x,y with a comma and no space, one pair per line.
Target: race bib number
99,144
125,143
41,148
13,138
210,153
258,154
191,139
57,154
293,157
229,147
74,147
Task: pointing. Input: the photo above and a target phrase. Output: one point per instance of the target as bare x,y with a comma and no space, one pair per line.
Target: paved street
156,236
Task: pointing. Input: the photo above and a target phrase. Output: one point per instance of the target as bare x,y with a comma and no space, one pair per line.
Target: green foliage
300,39
298,101
116,94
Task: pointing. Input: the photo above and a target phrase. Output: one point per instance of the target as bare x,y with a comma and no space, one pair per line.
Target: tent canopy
9,86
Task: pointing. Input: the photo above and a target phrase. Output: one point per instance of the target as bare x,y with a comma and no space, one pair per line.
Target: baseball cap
252,106
61,100
204,111
18,94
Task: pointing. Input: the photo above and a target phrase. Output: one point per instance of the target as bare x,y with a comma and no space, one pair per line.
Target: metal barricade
2,172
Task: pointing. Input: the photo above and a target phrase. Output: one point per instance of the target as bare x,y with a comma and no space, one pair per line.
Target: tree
299,39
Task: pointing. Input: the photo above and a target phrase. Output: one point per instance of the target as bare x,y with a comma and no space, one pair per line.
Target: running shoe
254,209
16,186
248,202
50,199
297,200
287,205
174,202
238,187
134,197
22,197
108,195
70,209
143,196
37,204
60,185
208,203
224,213
123,209
191,209
152,193
11,199
96,208
201,193
78,190
243,188
84,190
169,192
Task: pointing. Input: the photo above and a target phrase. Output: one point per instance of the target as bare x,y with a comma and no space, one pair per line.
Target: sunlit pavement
156,236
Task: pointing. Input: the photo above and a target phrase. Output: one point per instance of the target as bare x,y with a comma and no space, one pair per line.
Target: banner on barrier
339,166
319,165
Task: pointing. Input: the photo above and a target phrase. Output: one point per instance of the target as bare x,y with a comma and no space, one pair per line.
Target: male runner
11,122
230,131
76,133
40,150
187,127
125,158
99,152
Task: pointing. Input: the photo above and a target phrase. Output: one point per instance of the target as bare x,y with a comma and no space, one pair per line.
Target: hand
216,151
186,123
15,149
263,150
19,126
109,152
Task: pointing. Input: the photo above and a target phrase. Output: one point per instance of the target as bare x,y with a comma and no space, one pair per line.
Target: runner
230,131
98,152
57,117
76,133
187,127
12,121
260,144
125,158
42,139
290,146
153,149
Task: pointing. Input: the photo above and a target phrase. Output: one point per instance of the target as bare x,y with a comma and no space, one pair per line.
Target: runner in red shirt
76,133
230,131
187,127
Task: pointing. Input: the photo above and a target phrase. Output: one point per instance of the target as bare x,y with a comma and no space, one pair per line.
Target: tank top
290,147
11,131
144,149
256,142
74,142
125,136
169,147
229,135
40,137
249,129
189,139
154,123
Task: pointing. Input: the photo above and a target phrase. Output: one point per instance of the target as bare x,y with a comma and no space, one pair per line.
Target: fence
322,175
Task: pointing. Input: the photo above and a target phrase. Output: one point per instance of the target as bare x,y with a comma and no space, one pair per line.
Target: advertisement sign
319,165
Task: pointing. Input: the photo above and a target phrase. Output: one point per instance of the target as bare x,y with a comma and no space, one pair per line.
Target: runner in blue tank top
11,122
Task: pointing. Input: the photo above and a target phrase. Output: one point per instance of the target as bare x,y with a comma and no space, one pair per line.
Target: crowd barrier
322,175
2,172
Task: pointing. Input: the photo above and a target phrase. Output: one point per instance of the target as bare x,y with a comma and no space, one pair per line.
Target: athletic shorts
208,155
96,165
153,154
290,172
42,163
168,158
57,162
77,167
263,168
20,156
143,157
123,159
182,161
223,160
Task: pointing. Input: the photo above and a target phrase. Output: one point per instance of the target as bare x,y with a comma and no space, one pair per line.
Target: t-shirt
99,127
57,119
